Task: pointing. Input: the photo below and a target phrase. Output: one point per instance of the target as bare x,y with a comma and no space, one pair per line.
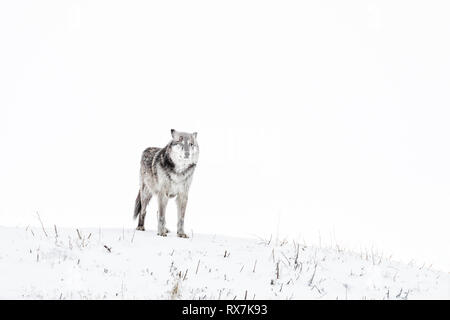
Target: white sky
313,116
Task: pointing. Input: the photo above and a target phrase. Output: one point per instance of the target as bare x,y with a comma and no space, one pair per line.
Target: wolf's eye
191,144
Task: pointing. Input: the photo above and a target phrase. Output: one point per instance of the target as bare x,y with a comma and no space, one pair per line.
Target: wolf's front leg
162,203
181,205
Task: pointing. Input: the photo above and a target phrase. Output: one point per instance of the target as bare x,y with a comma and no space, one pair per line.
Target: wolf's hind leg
145,199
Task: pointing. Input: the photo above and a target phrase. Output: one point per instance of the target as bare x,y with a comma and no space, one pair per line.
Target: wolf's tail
137,205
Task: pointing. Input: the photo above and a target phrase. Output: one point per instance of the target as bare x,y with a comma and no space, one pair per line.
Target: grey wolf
167,173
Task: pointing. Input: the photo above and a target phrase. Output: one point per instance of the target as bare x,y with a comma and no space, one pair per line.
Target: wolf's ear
195,135
172,132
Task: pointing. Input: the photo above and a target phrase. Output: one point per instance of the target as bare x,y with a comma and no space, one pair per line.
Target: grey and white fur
167,173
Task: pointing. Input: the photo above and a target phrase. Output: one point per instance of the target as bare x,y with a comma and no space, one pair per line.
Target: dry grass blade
312,277
42,225
198,264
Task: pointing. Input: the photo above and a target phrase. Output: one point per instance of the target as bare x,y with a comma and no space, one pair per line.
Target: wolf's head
184,148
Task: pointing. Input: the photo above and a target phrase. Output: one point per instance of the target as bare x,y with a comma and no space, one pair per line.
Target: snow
129,264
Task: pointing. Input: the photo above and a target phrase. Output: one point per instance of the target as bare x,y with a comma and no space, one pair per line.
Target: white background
322,120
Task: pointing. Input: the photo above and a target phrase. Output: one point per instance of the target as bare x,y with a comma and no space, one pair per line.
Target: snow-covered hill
124,264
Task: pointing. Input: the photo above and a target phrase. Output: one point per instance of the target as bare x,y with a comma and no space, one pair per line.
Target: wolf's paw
162,234
182,235
140,228
166,230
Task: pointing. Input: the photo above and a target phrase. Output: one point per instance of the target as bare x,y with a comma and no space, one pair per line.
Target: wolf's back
148,155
